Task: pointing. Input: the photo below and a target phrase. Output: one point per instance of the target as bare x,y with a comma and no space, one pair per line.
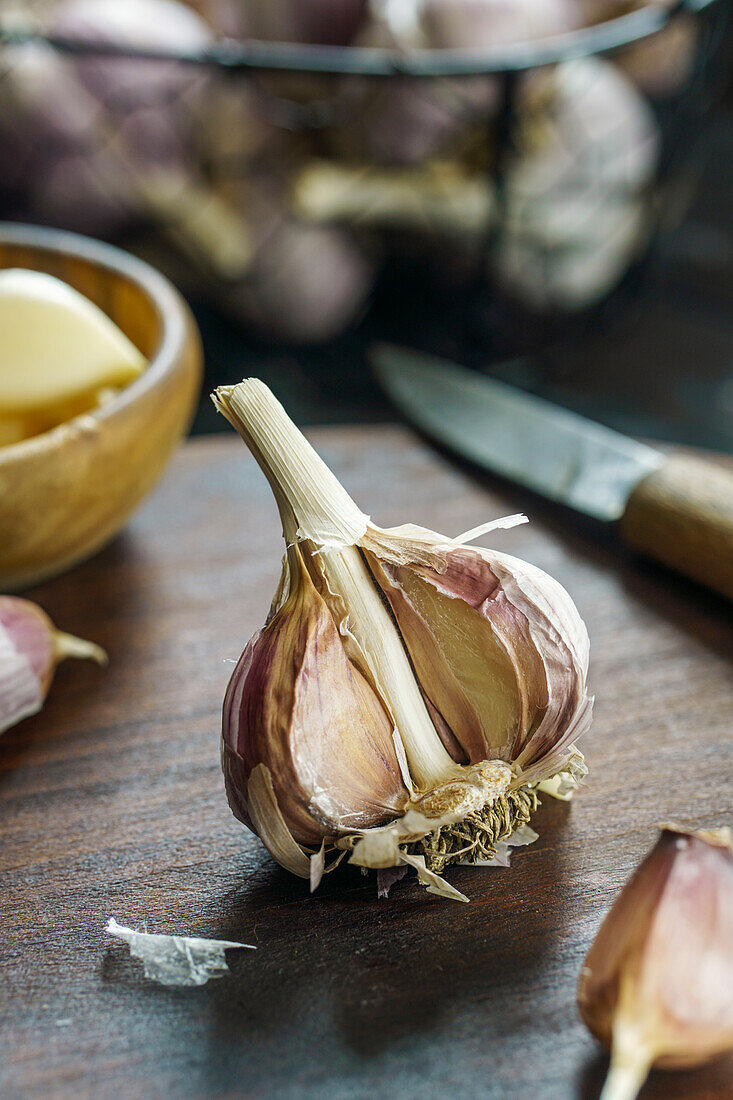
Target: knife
673,507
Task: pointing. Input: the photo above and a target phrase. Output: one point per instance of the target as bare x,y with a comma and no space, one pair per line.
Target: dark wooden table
112,804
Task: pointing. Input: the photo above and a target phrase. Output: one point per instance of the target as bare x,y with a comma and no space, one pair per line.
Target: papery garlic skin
30,649
277,714
467,733
657,984
176,961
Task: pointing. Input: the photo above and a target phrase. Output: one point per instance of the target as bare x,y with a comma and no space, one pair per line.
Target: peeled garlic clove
298,706
13,429
30,649
657,984
57,345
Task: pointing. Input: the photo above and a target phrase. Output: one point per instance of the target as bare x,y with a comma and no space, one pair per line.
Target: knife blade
677,508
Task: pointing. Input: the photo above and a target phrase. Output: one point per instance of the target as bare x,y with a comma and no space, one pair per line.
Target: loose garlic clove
297,707
657,984
480,699
30,649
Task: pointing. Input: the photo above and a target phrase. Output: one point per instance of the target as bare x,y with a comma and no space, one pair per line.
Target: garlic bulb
405,122
30,649
407,693
661,63
328,22
305,284
577,188
657,984
81,135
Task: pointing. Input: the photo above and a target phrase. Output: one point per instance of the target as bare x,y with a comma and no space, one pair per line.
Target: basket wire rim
253,55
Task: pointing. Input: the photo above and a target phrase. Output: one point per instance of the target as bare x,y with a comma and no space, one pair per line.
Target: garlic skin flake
176,960
30,649
657,984
407,692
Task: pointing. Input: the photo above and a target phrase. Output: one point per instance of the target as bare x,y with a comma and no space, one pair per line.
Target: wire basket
507,193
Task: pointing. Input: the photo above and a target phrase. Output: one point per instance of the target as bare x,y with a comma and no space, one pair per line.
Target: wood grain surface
112,804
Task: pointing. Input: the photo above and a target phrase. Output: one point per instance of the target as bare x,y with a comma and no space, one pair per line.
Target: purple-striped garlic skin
299,707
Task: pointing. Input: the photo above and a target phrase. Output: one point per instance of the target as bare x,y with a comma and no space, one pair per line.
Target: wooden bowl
65,493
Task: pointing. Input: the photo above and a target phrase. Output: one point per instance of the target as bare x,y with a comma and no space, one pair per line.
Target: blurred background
540,189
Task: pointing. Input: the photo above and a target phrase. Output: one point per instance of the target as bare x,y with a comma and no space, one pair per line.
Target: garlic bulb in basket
578,209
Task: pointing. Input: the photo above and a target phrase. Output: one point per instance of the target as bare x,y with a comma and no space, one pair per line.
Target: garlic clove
297,706
13,429
498,645
58,347
476,695
657,984
30,649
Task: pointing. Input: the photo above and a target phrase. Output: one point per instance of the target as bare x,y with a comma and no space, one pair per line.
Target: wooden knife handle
682,515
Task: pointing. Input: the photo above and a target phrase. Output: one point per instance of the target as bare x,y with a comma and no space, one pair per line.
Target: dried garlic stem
315,508
312,502
388,666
